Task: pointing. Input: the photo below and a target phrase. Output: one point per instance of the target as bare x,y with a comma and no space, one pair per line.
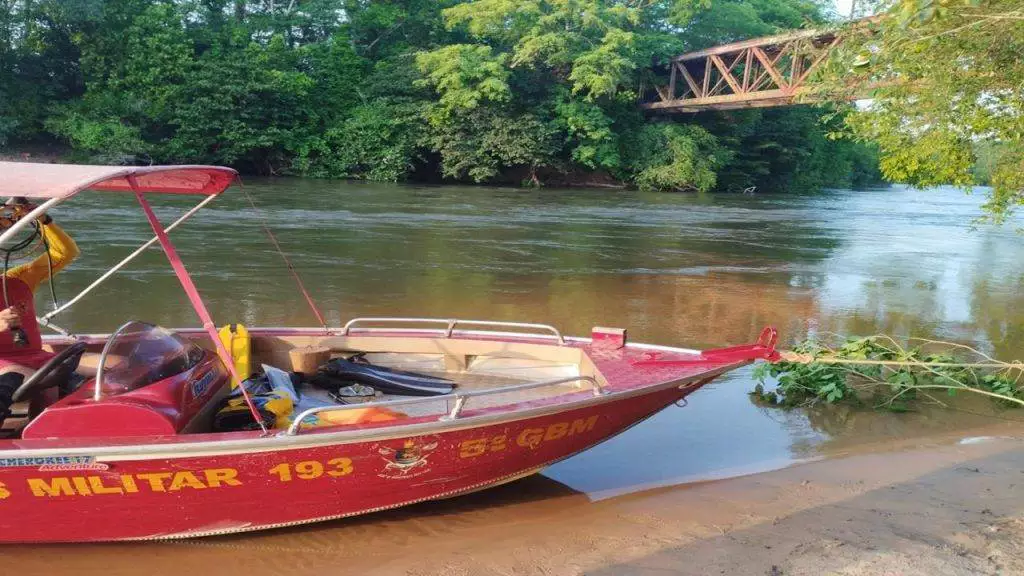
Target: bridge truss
769,71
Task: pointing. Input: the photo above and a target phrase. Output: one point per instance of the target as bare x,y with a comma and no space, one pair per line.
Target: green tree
677,157
38,58
566,69
943,77
379,141
465,90
477,144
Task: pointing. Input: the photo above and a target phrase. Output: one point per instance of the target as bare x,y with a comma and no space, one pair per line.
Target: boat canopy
53,181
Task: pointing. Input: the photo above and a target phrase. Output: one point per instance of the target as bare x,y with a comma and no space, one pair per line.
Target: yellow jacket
62,251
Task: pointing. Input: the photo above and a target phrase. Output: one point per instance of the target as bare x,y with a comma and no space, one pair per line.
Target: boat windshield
140,354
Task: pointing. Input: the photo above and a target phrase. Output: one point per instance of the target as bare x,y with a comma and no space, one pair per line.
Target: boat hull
191,493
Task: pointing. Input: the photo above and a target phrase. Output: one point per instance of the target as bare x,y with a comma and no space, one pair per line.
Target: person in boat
21,348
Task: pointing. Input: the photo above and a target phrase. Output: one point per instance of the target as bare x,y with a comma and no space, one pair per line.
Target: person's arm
62,251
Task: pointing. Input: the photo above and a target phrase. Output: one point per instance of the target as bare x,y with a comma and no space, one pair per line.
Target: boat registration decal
529,438
312,469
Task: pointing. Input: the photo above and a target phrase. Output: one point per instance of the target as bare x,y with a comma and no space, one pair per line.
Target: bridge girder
769,71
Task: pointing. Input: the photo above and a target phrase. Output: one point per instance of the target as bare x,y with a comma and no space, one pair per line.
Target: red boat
129,451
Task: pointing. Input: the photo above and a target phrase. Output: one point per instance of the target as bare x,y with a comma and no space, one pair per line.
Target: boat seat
17,419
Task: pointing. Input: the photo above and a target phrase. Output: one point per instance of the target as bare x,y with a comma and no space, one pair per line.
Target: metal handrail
113,270
62,331
98,395
459,398
452,323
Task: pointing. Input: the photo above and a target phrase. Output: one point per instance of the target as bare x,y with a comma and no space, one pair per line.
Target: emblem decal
408,460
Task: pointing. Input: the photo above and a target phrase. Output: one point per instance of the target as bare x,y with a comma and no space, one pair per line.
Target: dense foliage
946,80
483,90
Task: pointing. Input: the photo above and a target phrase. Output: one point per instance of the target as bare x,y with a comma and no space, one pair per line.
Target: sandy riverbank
953,509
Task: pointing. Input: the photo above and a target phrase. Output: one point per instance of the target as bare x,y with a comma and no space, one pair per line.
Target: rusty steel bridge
761,72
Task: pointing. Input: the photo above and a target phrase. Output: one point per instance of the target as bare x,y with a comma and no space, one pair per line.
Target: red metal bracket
608,338
763,349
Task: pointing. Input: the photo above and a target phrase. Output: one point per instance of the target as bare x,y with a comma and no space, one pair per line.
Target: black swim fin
340,372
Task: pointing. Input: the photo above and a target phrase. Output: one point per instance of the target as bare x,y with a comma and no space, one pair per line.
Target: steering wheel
57,370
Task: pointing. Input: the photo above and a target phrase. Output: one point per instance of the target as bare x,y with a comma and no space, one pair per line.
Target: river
673,269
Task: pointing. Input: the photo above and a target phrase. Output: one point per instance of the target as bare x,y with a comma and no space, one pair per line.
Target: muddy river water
683,270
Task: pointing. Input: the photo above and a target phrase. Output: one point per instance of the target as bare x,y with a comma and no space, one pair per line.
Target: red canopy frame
193,295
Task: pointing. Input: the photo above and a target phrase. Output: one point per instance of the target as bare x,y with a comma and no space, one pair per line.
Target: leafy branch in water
890,375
